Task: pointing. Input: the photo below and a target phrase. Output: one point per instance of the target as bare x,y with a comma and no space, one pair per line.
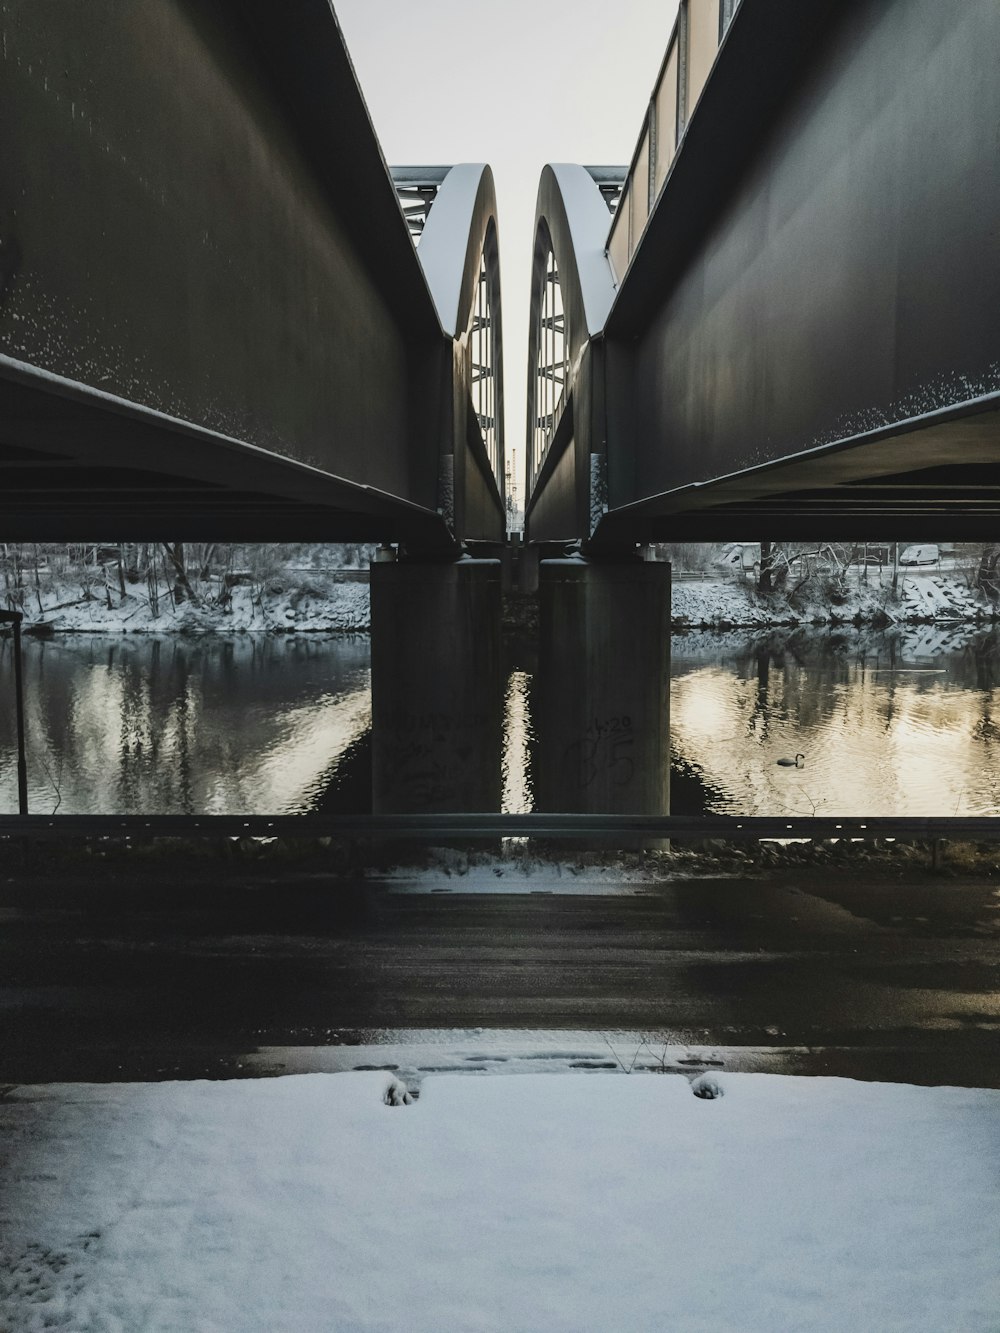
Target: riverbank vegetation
132,586
757,584
156,586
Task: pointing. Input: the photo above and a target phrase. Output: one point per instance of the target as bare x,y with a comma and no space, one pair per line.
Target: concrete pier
436,686
603,688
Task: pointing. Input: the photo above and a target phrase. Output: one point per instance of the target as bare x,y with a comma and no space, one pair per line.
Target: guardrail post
937,853
14,618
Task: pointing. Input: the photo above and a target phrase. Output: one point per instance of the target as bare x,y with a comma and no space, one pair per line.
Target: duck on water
798,762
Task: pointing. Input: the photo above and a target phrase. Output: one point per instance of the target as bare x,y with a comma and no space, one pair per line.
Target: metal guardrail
428,827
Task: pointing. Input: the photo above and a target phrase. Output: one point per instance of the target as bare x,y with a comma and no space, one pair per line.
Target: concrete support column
527,569
603,688
436,686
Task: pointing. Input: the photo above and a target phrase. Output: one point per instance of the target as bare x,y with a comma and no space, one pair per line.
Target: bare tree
986,576
182,586
765,580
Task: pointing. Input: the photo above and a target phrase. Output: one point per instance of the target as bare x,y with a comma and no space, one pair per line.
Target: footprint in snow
396,1094
708,1087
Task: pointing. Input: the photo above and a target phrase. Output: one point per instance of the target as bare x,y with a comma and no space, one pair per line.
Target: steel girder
212,320
806,340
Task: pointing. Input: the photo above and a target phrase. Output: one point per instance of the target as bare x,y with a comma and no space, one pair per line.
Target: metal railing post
14,618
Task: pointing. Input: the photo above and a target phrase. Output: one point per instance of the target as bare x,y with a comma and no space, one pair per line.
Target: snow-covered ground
319,603
549,1202
519,870
303,600
731,601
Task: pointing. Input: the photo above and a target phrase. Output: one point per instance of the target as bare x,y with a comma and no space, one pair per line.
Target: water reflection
894,724
184,725
517,745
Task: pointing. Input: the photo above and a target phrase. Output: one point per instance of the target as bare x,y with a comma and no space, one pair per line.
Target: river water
902,723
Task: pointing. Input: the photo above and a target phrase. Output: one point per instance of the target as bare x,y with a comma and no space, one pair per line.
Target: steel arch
565,466
459,254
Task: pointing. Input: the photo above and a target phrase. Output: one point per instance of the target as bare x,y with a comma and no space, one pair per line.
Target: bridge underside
935,480
75,463
213,323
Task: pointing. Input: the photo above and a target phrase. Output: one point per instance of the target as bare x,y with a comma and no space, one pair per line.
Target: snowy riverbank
319,602
533,1202
733,603
298,601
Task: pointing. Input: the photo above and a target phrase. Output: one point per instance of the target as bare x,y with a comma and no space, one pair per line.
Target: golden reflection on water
289,768
876,742
516,771
911,726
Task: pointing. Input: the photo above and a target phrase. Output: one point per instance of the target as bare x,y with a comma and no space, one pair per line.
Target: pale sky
515,83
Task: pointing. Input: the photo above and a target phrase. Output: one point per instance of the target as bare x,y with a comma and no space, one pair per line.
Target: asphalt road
806,970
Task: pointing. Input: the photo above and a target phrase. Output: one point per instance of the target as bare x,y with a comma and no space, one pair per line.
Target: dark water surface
174,724
904,723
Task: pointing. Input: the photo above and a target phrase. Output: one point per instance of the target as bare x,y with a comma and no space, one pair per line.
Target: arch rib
459,254
565,453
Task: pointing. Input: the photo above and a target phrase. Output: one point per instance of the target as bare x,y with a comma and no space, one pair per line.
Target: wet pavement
801,971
